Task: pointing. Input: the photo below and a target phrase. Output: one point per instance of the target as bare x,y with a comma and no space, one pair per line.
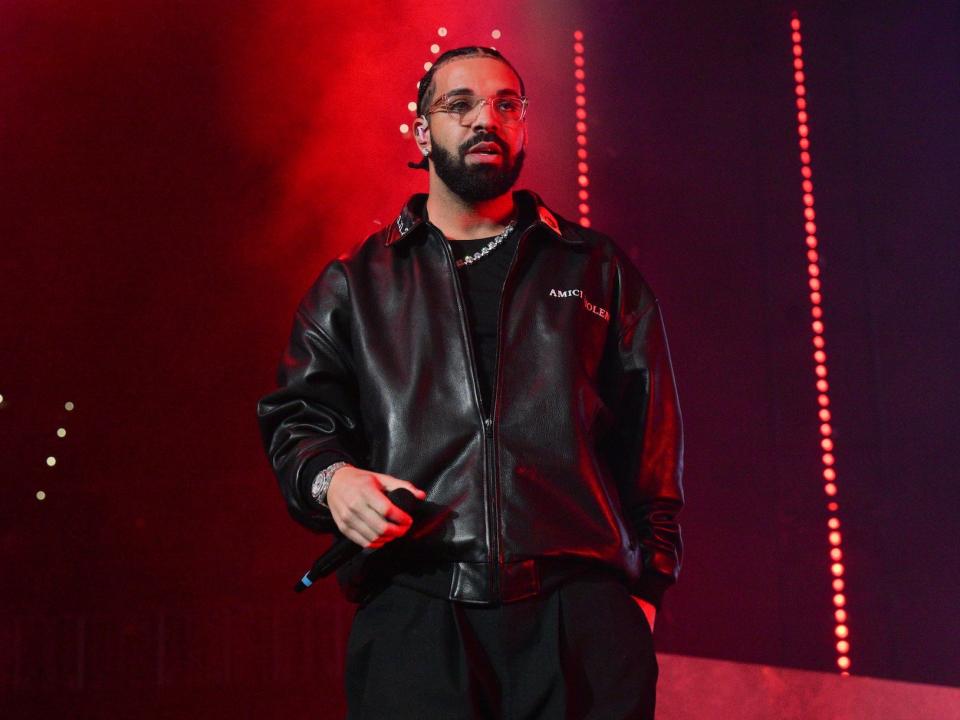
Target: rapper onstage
510,368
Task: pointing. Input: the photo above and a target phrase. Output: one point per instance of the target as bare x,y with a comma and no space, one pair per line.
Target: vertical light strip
828,458
583,181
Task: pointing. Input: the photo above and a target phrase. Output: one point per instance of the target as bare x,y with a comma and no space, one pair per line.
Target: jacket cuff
650,586
312,468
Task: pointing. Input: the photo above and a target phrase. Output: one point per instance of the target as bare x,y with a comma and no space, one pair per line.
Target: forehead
483,75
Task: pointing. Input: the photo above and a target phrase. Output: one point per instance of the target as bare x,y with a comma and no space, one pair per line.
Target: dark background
174,175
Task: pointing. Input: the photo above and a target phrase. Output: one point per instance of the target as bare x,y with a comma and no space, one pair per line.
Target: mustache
484,137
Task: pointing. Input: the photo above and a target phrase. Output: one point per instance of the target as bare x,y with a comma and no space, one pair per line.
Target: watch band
321,483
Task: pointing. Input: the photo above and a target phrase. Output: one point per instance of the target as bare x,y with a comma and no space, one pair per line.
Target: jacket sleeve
313,418
647,438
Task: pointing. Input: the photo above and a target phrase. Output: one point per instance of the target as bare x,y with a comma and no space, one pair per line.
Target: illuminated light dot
584,209
803,130
822,385
839,600
834,538
843,646
1,399
495,34
583,194
795,24
827,458
843,662
795,37
824,414
805,158
61,432
404,128
41,495
797,63
412,106
578,61
809,213
815,298
817,327
69,406
807,186
816,311
801,90
827,444
840,615
427,65
581,113
833,523
581,139
811,241
818,341
829,474
832,506
808,199
418,84
442,31
806,172
836,554
820,356
582,153
578,47
802,116
579,74
797,51
831,490
580,88
585,222
51,461
804,144
582,167
581,127
826,429
813,256
798,76
581,100
837,570
583,180
810,227
578,35
814,284
801,103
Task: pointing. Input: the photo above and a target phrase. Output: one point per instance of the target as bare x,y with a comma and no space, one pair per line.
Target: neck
464,220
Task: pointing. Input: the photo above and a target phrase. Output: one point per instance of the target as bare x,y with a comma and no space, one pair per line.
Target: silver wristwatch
321,483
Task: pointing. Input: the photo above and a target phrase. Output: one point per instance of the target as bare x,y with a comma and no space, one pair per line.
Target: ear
421,133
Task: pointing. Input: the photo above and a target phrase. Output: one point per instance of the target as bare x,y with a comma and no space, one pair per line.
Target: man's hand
361,509
648,609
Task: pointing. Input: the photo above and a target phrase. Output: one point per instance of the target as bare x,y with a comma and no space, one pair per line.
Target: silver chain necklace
482,252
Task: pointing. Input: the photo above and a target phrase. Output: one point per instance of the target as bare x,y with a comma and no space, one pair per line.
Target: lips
484,148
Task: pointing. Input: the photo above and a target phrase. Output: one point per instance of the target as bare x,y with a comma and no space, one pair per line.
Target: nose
486,117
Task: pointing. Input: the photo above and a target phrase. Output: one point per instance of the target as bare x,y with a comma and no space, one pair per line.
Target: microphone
344,548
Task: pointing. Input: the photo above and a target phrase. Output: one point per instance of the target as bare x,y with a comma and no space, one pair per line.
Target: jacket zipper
492,485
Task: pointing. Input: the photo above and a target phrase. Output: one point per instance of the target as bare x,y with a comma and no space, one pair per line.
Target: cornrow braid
427,88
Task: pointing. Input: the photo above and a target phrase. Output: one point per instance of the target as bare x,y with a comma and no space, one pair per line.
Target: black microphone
344,548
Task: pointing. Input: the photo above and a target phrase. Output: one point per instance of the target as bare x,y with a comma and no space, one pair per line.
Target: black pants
584,650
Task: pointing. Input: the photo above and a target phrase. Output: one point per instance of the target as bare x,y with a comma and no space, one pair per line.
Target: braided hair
427,88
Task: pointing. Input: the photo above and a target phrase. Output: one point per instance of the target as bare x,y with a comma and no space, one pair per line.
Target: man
510,369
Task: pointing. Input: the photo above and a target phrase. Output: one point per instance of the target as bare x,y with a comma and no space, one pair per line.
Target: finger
392,483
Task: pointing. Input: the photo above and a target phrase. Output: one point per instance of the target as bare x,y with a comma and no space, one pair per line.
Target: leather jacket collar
411,217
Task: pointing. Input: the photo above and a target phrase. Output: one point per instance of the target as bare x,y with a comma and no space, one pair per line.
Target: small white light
495,34
427,65
69,406
404,128
412,106
1,399
61,432
434,48
41,495
51,461
442,31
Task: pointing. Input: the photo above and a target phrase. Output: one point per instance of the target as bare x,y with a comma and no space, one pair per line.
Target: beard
483,181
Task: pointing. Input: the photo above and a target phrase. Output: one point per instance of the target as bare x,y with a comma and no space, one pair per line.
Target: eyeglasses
511,109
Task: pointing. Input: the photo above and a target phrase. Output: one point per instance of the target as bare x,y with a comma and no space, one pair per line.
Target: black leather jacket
579,464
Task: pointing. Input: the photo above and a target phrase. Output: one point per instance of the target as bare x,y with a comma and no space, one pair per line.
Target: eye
509,105
459,106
